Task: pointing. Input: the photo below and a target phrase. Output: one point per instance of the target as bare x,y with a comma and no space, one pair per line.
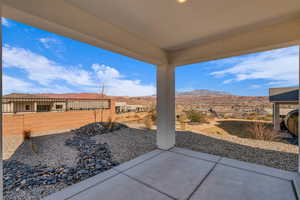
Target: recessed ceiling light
181,1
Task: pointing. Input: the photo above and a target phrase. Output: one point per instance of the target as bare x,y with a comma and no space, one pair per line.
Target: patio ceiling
165,31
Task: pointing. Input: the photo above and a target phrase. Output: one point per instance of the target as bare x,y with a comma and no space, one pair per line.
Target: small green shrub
195,116
153,115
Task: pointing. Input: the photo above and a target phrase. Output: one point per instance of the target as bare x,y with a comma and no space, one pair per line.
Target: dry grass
110,123
183,126
148,122
261,131
27,136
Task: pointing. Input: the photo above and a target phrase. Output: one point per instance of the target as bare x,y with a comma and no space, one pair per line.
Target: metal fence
17,104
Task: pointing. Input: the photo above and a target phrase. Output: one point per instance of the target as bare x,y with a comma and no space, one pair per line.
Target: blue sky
36,61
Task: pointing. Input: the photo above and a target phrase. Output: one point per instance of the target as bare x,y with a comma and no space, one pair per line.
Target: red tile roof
75,96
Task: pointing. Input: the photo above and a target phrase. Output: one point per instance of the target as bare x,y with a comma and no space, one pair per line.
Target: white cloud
47,73
280,67
11,84
106,73
187,89
255,86
48,42
115,84
227,81
5,22
56,46
15,85
43,70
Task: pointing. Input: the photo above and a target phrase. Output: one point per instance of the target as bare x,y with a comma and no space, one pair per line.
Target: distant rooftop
76,95
57,96
284,95
23,95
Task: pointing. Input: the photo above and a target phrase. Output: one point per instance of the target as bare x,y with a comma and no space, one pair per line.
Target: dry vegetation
27,137
148,122
262,131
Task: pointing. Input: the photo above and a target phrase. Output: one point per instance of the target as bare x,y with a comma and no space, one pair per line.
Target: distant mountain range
203,93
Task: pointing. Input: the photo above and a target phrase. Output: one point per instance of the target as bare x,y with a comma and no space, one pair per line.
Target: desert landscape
217,123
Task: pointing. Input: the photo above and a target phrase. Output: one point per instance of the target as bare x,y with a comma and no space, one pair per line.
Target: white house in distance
123,107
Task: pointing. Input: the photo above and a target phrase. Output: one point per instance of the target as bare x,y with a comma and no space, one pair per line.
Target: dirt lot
234,127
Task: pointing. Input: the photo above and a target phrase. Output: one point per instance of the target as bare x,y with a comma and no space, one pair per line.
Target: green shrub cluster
195,116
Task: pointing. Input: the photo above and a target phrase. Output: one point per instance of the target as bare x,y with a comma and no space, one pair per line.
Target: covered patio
184,174
169,34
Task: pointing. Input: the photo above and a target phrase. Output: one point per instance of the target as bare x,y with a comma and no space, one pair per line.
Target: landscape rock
93,158
98,128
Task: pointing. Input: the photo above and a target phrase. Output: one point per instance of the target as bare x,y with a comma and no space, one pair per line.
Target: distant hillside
203,93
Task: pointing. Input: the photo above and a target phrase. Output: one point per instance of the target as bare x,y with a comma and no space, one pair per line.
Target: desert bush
27,134
182,118
27,137
267,117
210,117
110,123
183,126
262,131
136,116
251,116
195,116
148,122
153,115
226,117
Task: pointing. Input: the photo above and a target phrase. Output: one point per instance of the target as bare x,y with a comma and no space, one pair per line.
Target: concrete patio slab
138,160
183,174
175,174
296,184
200,155
259,168
120,187
82,186
229,183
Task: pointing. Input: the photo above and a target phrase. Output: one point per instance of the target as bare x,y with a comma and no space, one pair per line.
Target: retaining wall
46,123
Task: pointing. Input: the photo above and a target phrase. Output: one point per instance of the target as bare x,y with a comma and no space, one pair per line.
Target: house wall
7,107
130,116
63,104
46,123
87,104
20,106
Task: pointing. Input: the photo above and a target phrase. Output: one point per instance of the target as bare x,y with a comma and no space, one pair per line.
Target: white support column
35,107
276,116
165,107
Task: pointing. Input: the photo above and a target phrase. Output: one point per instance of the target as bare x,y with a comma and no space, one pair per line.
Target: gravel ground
128,143
51,150
272,154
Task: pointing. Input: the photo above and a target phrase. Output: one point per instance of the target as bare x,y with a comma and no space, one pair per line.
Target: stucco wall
46,123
